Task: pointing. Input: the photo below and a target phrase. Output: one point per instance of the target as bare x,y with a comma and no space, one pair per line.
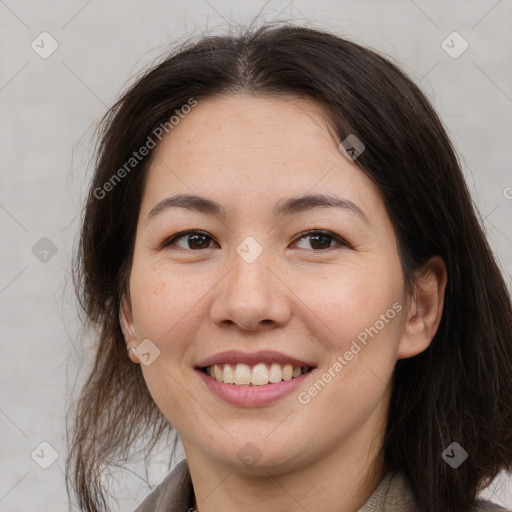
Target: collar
393,494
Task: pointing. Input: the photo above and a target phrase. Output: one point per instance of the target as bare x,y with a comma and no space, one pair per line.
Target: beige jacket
393,494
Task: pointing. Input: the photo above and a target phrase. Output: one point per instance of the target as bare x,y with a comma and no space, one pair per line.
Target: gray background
49,106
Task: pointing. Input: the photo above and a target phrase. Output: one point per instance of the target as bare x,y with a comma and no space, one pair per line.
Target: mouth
259,374
253,380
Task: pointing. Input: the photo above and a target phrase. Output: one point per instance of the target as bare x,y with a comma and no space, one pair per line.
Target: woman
284,263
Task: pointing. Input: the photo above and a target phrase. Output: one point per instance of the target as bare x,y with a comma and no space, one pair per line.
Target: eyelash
170,241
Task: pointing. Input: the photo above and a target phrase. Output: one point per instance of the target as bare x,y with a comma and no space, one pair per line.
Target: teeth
218,373
227,375
242,374
275,374
259,375
287,372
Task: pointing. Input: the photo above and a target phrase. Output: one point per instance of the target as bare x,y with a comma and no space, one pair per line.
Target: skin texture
305,300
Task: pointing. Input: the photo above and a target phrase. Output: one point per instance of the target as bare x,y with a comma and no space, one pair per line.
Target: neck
340,481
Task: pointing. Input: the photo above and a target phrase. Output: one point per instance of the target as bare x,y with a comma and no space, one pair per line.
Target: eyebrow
284,207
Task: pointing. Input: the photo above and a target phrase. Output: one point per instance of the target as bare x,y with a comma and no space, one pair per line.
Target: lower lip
252,396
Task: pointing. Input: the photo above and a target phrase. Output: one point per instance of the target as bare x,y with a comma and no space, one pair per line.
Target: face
305,293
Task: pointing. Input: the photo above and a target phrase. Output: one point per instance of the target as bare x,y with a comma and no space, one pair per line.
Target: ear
425,310
128,328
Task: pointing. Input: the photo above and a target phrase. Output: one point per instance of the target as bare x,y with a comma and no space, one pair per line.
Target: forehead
246,148
249,124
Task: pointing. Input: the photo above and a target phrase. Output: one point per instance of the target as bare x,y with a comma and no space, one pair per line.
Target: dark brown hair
459,389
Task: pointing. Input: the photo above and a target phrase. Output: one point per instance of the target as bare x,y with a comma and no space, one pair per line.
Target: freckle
159,288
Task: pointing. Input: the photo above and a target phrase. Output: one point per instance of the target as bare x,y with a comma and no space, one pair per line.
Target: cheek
161,300
166,311
359,366
361,314
350,299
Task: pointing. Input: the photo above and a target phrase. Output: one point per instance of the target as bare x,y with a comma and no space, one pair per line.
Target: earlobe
127,327
426,308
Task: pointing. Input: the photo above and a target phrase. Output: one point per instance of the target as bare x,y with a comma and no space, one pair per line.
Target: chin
259,456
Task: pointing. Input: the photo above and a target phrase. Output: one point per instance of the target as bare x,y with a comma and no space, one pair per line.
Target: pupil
194,237
319,239
316,237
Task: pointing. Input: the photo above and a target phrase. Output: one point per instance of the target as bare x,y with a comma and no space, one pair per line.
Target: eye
193,239
321,239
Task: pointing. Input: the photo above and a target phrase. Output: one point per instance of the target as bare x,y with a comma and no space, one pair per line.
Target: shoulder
395,494
173,494
488,506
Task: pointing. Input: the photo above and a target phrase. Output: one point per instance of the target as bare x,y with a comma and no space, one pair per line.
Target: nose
251,296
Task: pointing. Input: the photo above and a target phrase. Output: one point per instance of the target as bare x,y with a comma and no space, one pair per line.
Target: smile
260,374
253,379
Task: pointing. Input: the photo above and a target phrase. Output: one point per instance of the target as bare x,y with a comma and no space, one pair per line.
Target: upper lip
262,356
